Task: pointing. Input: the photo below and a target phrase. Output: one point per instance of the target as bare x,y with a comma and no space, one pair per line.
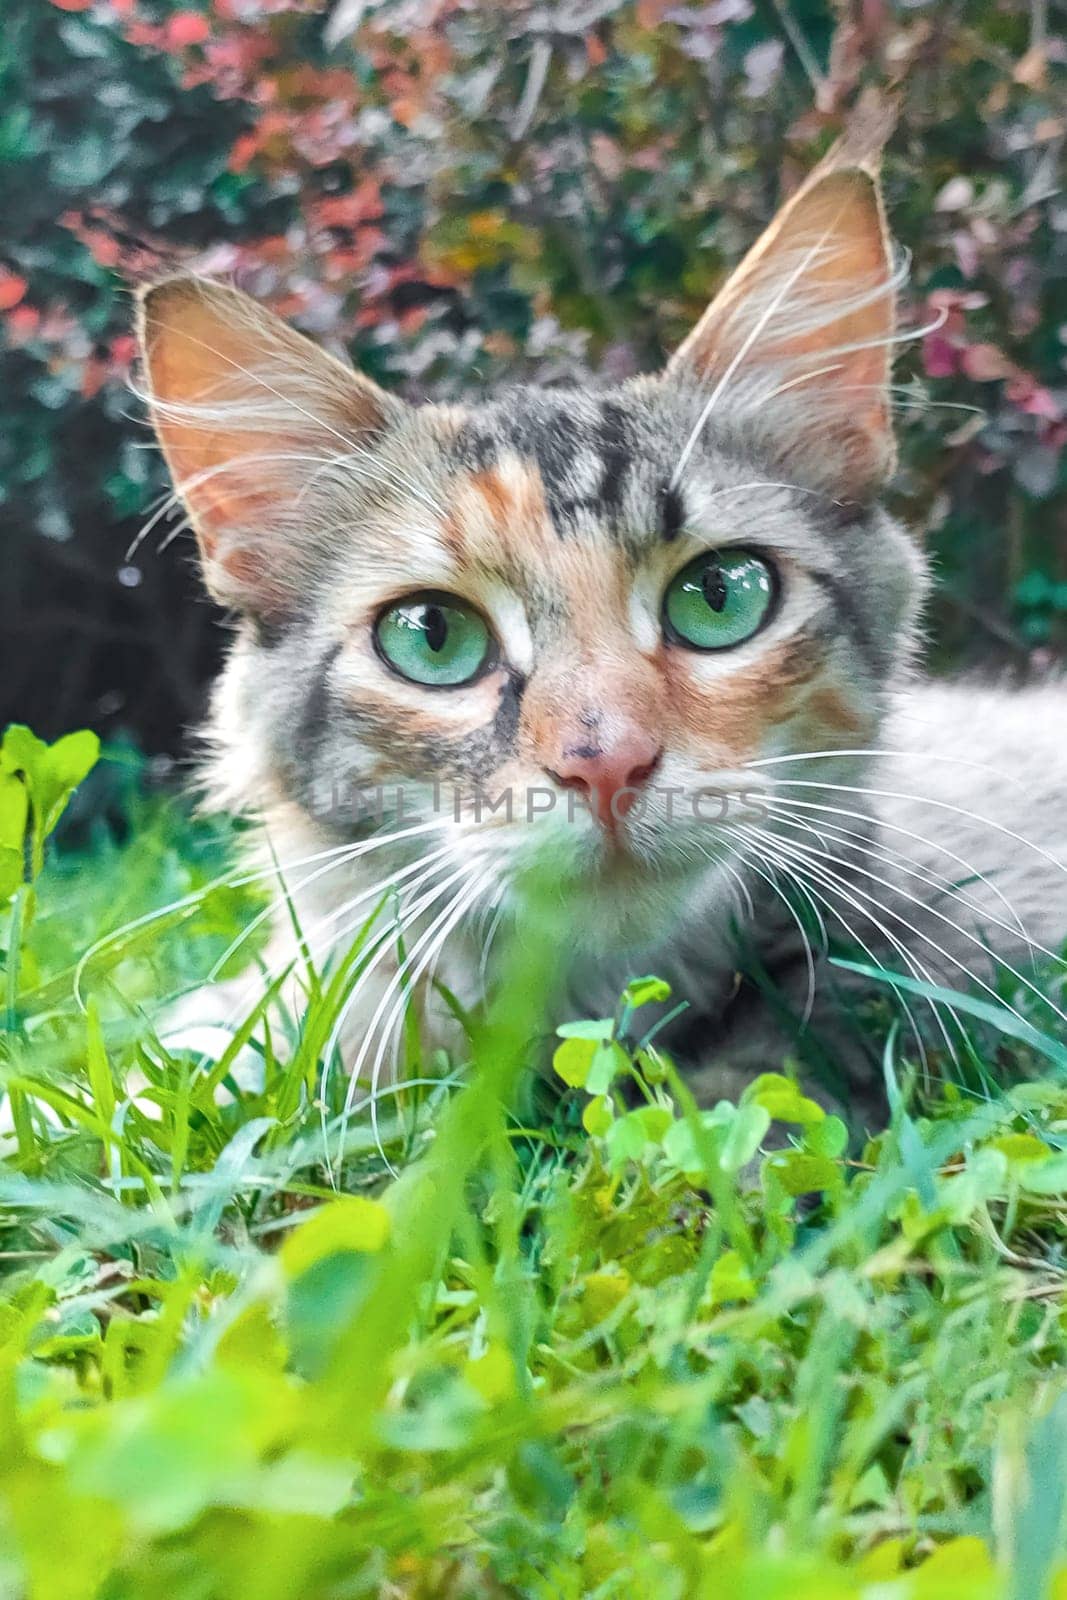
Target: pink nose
608,773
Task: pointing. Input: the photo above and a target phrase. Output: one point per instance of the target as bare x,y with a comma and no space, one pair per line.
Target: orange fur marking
830,709
733,719
495,492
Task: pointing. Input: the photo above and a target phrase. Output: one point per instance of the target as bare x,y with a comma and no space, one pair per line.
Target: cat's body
644,644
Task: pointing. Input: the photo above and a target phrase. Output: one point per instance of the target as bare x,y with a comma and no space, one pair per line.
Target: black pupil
434,628
713,587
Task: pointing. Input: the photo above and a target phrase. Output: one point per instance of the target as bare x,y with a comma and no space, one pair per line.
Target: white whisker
324,939
915,967
289,891
919,799
806,851
883,754
238,878
988,916
431,859
831,883
852,838
410,975
809,954
403,922
827,884
380,946
350,853
789,803
740,884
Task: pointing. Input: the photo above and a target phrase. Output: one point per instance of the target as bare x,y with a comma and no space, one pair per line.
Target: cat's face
562,618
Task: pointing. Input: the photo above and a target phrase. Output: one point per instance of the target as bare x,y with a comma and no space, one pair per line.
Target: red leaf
186,28
94,376
23,323
985,363
1032,397
243,152
12,289
123,350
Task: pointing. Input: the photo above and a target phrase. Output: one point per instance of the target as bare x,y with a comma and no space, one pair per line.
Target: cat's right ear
247,410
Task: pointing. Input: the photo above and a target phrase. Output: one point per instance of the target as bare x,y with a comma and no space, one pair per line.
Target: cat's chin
615,901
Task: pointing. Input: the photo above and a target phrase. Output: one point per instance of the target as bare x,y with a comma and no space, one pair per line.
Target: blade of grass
998,1017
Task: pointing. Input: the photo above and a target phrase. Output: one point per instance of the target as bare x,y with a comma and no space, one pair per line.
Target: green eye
434,639
719,600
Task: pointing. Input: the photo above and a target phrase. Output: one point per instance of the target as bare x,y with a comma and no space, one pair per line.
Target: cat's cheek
833,716
725,718
407,734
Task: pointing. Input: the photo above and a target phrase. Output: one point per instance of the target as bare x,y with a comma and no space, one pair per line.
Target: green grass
573,1349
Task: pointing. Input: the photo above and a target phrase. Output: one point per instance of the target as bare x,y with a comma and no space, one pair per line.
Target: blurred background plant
461,193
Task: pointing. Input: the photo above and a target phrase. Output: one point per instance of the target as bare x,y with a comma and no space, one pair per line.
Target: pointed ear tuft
245,408
802,331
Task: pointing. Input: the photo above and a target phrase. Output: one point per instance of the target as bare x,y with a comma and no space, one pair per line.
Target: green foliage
470,192
36,783
624,1344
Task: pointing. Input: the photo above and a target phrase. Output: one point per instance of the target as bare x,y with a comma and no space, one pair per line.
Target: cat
656,644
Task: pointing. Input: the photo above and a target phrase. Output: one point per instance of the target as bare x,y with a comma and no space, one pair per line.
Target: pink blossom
941,358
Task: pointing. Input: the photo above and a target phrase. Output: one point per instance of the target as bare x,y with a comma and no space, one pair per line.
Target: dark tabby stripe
543,429
671,513
315,718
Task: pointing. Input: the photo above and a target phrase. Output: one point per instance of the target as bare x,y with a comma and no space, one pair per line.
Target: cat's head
623,597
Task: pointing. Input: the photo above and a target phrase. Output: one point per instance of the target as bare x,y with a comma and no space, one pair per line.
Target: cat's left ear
802,331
